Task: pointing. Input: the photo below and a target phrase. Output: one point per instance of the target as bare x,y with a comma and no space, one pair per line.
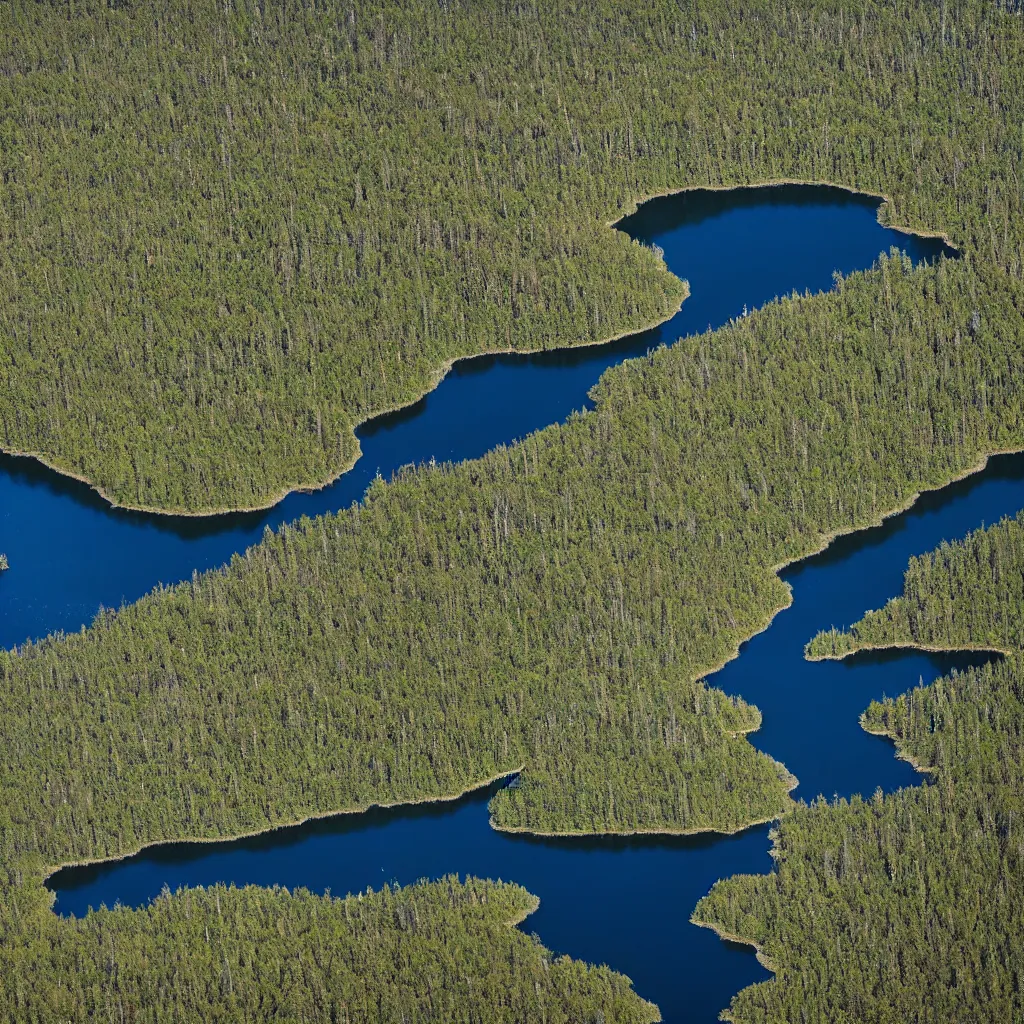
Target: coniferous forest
233,231
446,950
911,906
968,594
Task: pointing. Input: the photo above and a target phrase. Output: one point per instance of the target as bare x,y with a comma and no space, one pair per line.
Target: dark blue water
71,553
621,901
627,901
811,709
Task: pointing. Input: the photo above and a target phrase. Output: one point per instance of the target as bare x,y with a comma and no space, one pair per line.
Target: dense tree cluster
911,906
964,595
551,605
443,951
230,231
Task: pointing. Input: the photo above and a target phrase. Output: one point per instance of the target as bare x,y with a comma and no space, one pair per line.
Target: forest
965,595
291,219
232,231
910,906
550,607
446,950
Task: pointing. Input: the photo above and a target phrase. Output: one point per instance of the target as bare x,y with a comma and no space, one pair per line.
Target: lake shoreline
927,648
884,200
640,831
835,535
777,570
898,753
445,368
311,488
726,936
50,871
197,840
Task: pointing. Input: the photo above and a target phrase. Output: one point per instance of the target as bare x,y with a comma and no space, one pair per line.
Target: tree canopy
910,906
231,231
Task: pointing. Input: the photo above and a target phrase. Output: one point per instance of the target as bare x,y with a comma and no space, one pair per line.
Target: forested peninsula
444,950
551,607
230,232
965,595
910,906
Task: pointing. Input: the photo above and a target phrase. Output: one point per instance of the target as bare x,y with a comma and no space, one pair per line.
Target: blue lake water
71,553
627,901
621,901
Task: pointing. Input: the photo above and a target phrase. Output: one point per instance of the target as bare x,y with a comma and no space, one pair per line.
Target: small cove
71,552
624,901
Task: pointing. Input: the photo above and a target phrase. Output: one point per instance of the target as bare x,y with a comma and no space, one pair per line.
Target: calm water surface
70,553
621,901
627,901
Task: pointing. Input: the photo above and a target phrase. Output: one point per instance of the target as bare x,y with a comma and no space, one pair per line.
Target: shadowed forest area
910,906
259,225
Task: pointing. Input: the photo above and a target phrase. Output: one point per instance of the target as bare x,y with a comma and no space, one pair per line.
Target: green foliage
550,606
903,908
443,951
964,595
231,231
910,907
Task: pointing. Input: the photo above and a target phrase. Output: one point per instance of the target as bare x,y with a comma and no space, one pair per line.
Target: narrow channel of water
71,553
627,901
621,901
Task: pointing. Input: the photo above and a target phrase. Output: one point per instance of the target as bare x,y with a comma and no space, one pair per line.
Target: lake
621,901
627,901
71,553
